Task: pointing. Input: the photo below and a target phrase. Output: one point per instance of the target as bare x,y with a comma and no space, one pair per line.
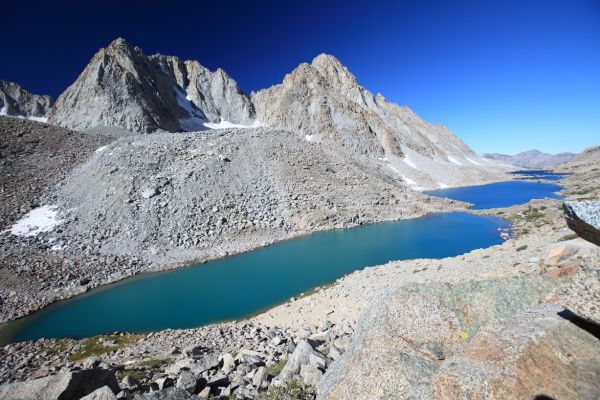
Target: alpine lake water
242,285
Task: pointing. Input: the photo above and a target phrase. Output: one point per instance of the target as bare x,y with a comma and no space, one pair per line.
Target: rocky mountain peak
123,87
18,102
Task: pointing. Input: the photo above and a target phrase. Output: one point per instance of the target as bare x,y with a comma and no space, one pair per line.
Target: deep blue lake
237,286
536,174
500,194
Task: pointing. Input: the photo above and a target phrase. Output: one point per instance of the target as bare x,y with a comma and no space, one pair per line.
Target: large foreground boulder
409,341
538,354
584,218
62,386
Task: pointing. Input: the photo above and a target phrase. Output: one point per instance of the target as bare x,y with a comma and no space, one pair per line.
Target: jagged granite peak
215,93
533,158
324,101
19,102
123,87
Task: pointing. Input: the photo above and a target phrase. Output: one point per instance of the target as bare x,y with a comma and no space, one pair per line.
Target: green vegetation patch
102,344
570,236
533,214
521,248
292,390
582,191
55,348
275,369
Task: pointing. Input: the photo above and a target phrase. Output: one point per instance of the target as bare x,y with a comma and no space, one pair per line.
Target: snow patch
409,162
195,122
31,118
309,138
472,161
453,160
100,149
442,185
408,180
38,119
227,125
41,219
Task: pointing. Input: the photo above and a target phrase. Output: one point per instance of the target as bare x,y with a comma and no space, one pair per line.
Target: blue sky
505,76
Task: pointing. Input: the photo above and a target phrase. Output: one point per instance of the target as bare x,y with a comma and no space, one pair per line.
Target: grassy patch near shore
58,347
581,192
521,248
570,236
100,344
292,390
533,214
275,369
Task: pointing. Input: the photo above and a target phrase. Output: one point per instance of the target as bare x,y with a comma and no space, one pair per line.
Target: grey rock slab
172,393
303,354
104,393
584,218
66,385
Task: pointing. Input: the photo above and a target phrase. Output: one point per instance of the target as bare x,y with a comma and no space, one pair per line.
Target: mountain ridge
16,101
532,158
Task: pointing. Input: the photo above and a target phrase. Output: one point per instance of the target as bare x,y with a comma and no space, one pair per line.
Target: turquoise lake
237,286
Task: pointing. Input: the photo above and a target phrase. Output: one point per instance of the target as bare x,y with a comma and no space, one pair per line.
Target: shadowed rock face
63,386
584,219
16,101
122,87
474,340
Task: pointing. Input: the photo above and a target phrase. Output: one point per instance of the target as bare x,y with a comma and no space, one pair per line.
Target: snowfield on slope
41,219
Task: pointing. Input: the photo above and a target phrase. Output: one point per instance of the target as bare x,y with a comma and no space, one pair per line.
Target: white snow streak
409,162
195,121
408,180
226,125
453,160
100,149
472,161
41,219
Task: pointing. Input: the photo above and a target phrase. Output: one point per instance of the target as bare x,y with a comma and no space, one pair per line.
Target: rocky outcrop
18,102
65,385
122,87
487,339
539,353
323,103
532,158
584,219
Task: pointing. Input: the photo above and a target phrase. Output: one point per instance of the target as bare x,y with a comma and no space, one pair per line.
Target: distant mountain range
532,158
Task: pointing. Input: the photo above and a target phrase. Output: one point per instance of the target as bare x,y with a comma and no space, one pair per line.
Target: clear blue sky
505,76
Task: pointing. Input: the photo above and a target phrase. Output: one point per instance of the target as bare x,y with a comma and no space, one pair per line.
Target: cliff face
18,102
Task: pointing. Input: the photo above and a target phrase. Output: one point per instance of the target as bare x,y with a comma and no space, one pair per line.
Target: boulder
539,353
303,354
171,393
190,382
104,393
584,218
403,338
66,385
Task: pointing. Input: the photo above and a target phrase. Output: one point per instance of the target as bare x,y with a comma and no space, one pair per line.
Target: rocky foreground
517,320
